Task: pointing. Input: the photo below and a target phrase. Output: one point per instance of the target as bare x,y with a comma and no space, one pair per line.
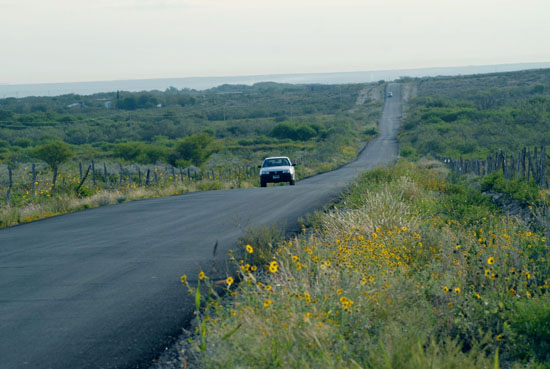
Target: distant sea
203,83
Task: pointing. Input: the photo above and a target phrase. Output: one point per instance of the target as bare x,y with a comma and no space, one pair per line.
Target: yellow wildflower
229,281
273,266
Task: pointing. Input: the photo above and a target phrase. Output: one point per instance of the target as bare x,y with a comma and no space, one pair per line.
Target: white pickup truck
277,169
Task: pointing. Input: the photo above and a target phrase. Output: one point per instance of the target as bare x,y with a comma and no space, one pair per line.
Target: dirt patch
409,91
370,93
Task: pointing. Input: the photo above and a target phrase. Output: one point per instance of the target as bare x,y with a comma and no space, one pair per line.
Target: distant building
159,105
74,105
108,105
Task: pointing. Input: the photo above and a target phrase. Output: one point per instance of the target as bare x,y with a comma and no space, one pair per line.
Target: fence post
518,164
83,178
93,173
524,164
80,169
10,184
529,165
105,177
148,177
129,176
536,165
542,166
139,176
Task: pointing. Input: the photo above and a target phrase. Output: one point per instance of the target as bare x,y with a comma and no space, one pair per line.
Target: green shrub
408,152
530,328
194,149
525,192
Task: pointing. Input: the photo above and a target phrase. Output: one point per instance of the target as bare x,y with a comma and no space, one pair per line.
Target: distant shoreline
203,83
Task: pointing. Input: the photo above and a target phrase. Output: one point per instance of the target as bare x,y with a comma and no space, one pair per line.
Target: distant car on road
277,169
390,94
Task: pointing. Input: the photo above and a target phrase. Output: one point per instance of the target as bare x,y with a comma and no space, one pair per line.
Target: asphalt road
100,288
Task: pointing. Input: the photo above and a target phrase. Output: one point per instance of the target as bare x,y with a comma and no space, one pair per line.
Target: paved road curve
100,288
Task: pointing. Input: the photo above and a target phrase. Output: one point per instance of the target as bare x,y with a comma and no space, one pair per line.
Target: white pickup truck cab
277,169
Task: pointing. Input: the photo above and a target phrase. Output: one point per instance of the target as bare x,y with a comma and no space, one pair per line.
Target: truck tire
292,182
263,184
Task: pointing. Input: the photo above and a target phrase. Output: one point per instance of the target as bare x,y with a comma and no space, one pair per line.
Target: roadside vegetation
187,140
475,116
412,269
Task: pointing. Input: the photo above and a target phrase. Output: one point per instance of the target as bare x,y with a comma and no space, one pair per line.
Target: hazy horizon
63,41
530,65
202,83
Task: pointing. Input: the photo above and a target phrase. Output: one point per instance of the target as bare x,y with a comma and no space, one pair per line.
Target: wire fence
37,179
526,165
32,180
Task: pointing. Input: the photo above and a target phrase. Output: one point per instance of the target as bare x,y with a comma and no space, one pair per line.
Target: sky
43,41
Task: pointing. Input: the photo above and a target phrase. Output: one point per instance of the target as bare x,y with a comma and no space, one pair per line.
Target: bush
128,151
195,149
466,203
284,130
530,328
408,152
525,192
304,133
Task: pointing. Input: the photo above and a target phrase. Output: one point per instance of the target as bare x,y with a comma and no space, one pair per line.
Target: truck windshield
277,162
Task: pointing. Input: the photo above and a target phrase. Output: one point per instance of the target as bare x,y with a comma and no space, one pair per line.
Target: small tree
54,154
194,150
284,130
